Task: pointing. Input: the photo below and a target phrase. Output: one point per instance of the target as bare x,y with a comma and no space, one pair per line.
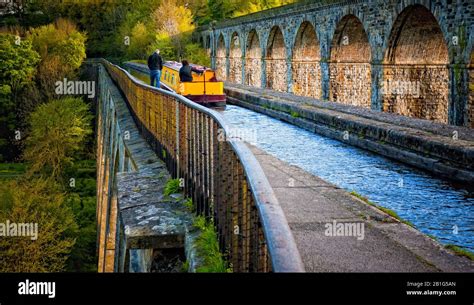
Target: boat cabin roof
174,65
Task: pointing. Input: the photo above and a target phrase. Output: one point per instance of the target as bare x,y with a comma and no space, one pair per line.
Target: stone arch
276,67
349,68
235,59
253,60
305,63
416,74
221,59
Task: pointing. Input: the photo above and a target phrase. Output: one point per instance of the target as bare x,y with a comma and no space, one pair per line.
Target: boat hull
208,100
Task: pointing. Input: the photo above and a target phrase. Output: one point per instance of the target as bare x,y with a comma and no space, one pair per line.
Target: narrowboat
205,89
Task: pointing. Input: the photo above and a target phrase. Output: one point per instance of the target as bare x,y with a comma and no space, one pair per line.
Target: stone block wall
276,62
235,60
221,61
417,91
305,66
253,61
350,83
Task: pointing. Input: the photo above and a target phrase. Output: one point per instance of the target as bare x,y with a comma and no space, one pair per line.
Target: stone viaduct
411,57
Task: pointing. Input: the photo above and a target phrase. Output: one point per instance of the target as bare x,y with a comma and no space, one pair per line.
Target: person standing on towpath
155,64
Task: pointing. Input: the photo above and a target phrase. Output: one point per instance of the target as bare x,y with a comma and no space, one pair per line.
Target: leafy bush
58,130
18,66
197,55
36,201
18,63
62,49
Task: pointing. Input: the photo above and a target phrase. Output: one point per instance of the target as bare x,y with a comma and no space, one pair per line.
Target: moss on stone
460,251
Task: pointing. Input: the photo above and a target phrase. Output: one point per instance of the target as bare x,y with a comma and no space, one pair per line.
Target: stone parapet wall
134,216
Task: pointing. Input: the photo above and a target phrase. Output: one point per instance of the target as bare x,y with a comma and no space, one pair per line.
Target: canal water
435,206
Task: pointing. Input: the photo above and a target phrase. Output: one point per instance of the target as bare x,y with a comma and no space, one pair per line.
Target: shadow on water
435,206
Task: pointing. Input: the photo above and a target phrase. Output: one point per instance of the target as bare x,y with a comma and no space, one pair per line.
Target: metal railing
220,174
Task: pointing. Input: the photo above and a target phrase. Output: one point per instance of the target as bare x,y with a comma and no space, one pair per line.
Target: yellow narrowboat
205,89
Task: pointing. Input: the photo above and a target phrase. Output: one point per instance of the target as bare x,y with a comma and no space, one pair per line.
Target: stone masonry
410,57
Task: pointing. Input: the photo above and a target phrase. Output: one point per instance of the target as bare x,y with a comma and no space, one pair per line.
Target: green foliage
207,246
58,130
139,40
17,68
173,24
206,11
295,114
188,204
460,251
165,44
172,187
11,170
82,201
62,49
36,201
185,267
195,54
18,63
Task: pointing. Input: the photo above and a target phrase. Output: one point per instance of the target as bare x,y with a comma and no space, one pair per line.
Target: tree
139,41
62,49
18,66
18,62
173,23
41,202
58,130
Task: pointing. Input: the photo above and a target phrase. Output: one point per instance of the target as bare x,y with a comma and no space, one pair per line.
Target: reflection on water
143,77
435,206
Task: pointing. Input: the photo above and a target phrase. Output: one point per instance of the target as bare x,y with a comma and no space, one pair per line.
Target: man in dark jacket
155,64
185,74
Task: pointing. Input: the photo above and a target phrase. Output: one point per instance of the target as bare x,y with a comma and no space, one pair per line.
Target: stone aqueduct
409,57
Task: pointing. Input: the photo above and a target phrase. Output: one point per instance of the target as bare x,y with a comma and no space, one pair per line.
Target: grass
172,187
389,212
383,209
185,266
188,204
460,251
295,114
207,246
365,199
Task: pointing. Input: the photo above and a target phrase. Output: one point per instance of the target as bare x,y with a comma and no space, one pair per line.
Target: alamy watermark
238,134
401,88
75,88
12,229
355,229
